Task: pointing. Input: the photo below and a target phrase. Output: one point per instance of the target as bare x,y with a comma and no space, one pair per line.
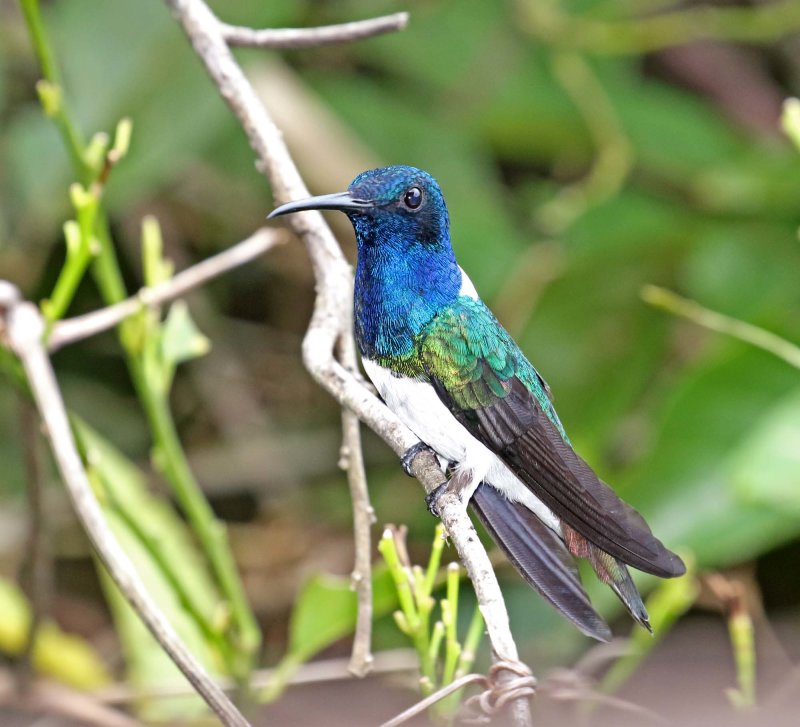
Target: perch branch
294,38
90,324
22,328
330,321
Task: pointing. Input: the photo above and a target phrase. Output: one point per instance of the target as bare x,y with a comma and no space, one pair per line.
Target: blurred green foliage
575,173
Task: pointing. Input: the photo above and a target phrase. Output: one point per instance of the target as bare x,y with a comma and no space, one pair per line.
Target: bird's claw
433,496
409,454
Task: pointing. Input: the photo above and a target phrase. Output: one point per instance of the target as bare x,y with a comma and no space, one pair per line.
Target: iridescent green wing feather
475,360
487,383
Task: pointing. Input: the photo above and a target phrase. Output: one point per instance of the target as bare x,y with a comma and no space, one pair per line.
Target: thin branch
761,23
294,38
23,328
352,461
60,704
90,324
57,109
332,316
438,696
677,305
393,661
37,557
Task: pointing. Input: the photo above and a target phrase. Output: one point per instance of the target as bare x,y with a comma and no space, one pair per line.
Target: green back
472,358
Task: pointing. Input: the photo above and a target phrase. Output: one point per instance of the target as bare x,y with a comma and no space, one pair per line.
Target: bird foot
409,454
433,496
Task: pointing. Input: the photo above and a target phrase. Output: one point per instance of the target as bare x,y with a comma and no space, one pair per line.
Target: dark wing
539,556
493,390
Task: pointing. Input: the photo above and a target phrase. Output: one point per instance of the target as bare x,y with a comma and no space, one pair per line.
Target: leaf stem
73,138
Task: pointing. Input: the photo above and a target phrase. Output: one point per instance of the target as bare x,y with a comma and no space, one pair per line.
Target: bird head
400,205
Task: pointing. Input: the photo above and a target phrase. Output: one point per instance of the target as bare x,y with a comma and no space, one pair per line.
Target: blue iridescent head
406,267
403,200
384,202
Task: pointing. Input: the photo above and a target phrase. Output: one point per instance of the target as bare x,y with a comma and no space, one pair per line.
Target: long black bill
343,201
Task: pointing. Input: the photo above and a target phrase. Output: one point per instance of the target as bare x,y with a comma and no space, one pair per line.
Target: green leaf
67,658
765,469
790,120
16,617
157,268
324,612
181,340
164,555
690,488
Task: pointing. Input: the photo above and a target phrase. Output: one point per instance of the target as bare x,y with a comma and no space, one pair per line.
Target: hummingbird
448,369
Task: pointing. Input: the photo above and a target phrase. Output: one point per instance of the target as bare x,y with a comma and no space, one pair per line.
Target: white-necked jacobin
456,378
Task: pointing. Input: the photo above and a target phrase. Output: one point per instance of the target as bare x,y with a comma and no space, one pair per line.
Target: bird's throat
396,295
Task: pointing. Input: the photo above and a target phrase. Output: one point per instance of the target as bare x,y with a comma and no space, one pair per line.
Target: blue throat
402,281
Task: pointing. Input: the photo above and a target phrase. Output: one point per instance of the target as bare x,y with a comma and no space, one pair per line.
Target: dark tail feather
540,557
610,570
613,571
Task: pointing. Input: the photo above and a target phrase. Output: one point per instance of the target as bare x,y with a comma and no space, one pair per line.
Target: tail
610,570
542,559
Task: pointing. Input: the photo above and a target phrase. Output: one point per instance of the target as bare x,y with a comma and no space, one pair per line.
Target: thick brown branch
292,38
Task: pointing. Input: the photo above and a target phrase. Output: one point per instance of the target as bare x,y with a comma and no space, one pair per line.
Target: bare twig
677,305
90,324
393,661
572,685
57,701
763,22
431,699
352,460
479,707
37,558
332,315
22,328
293,38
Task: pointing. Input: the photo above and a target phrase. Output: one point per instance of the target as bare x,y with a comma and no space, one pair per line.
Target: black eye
413,198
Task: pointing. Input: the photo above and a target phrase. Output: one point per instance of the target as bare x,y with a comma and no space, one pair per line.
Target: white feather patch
420,409
467,288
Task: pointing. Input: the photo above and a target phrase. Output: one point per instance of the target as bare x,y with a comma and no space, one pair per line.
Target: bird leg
409,454
456,485
433,496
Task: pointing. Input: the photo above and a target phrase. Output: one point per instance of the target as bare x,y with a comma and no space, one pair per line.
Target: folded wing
493,390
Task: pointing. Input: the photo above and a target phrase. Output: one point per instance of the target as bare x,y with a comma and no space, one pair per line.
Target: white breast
420,409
